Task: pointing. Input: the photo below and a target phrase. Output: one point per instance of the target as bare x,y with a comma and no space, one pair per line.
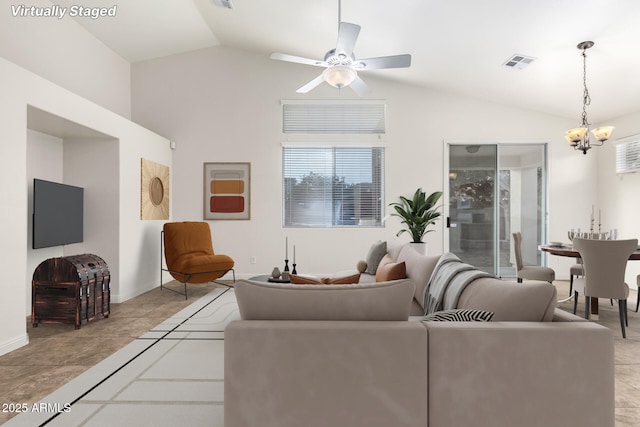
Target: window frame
365,215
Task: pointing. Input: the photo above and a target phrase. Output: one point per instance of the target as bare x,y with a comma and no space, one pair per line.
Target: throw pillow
376,252
391,271
334,280
304,280
459,315
361,266
342,280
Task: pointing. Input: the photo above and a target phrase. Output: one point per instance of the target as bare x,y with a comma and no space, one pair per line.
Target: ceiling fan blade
347,36
359,86
395,61
312,84
298,59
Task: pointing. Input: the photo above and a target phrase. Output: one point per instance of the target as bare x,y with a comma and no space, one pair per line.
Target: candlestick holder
294,269
285,272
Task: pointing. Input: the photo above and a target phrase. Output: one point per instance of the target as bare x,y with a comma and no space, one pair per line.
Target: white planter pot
422,247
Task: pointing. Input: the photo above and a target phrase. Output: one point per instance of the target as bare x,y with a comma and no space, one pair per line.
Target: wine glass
572,234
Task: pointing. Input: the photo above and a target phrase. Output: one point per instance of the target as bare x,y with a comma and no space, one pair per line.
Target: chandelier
578,137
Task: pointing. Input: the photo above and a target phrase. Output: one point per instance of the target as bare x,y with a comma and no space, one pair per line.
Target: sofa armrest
325,373
523,374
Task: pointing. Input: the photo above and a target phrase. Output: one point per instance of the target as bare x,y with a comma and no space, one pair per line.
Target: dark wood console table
70,290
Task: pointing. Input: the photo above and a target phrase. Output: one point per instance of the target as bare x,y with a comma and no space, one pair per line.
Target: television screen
57,214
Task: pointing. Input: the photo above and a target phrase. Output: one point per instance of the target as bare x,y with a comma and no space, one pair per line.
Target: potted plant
417,215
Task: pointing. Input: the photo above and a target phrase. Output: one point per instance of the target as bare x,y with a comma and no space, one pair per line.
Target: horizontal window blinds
333,187
333,118
628,156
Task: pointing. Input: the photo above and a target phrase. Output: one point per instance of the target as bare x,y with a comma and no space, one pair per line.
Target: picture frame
227,191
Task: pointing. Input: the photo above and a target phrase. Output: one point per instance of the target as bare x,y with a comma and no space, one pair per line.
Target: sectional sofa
363,355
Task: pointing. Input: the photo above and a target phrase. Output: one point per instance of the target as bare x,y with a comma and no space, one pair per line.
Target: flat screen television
57,214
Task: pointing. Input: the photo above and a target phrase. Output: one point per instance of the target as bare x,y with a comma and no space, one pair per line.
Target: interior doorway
494,190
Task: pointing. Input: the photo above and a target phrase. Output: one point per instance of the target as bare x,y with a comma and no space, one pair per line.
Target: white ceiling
456,45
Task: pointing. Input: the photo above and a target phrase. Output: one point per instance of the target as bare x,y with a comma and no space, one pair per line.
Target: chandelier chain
586,98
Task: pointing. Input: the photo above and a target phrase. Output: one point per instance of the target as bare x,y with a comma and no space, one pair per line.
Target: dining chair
530,272
575,270
604,263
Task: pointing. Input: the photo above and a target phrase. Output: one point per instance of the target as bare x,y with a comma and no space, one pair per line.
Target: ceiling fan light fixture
339,76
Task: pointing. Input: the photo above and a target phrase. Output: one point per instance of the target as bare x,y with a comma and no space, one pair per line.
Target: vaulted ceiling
459,46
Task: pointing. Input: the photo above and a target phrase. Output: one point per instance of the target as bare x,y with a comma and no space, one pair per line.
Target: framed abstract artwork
227,192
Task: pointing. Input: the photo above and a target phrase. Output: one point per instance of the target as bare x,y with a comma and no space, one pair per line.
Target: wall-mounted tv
57,214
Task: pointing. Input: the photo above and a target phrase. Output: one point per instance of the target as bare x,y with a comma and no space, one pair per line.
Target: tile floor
173,374
168,376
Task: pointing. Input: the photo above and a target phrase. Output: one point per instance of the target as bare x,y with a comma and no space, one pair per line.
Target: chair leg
626,314
575,302
570,284
622,310
587,307
638,301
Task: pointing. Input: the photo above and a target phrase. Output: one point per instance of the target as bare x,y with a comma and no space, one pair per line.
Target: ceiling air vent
519,61
223,3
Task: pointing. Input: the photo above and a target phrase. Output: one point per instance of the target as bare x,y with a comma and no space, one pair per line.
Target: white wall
223,105
44,161
63,52
135,254
619,195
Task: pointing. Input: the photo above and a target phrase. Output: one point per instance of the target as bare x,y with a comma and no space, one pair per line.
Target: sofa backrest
531,301
364,301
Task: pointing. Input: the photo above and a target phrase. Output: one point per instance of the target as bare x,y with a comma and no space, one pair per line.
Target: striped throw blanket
449,278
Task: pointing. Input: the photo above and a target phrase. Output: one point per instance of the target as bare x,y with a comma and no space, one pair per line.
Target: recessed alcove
61,150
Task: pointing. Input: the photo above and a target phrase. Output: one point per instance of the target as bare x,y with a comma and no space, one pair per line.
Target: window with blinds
331,117
628,156
333,187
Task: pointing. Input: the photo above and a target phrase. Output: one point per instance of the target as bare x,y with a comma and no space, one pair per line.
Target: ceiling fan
341,64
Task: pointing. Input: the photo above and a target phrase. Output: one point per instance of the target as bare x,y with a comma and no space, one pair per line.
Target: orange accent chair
189,255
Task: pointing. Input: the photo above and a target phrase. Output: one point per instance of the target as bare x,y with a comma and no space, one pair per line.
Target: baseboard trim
14,344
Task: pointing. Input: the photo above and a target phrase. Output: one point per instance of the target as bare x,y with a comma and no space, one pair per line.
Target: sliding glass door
495,190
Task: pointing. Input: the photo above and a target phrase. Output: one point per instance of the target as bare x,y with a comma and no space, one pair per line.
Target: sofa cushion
391,271
459,315
419,268
371,301
532,301
394,247
376,252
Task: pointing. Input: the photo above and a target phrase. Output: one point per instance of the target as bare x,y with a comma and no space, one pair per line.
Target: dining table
567,250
